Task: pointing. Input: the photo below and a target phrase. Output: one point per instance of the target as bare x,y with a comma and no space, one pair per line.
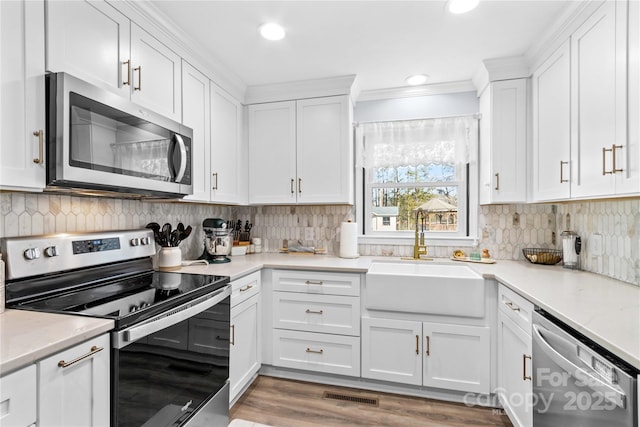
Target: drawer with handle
316,282
331,354
334,314
244,288
515,307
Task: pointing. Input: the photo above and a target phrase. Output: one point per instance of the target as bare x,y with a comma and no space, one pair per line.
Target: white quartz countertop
28,336
603,309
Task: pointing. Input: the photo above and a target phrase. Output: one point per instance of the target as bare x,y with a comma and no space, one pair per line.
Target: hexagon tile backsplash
503,229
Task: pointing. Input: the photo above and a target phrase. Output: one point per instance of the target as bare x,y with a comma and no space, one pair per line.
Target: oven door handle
125,337
607,391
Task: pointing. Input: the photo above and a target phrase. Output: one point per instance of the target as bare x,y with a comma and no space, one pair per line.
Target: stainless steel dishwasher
577,383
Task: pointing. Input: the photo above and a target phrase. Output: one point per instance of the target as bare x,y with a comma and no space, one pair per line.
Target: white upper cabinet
630,181
22,107
196,115
301,152
598,99
95,42
503,142
552,127
228,157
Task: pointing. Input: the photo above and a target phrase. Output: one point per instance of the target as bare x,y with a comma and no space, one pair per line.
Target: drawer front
315,282
333,314
244,288
331,354
515,308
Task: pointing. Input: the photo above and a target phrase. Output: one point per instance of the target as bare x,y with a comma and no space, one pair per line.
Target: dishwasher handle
176,315
607,391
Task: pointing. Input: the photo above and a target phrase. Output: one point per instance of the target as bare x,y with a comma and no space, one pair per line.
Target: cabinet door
324,151
155,74
598,90
90,40
391,350
227,165
78,394
272,153
22,95
18,397
552,127
456,357
628,181
515,389
196,115
244,359
508,141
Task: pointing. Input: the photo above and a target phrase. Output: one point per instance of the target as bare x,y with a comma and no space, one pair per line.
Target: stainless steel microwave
99,142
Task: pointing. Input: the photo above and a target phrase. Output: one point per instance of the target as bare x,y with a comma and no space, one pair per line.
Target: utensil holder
169,259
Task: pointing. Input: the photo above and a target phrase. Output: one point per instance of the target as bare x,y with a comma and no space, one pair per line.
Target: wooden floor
284,403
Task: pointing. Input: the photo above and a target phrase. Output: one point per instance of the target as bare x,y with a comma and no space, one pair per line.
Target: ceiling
382,42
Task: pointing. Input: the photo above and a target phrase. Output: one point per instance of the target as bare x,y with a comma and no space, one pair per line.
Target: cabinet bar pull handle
233,335
246,288
512,306
498,181
215,175
313,311
417,344
40,135
139,70
94,350
128,81
299,185
524,367
308,350
613,151
291,185
604,165
313,282
428,352
561,171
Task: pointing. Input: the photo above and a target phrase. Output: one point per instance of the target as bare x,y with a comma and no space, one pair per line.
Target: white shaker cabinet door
74,390
22,98
629,180
272,153
245,354
155,74
196,115
18,398
228,164
89,40
552,127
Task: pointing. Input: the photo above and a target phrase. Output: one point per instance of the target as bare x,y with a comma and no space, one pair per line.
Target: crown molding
423,90
331,86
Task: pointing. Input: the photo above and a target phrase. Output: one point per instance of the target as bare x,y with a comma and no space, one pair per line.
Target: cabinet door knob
292,185
139,70
299,185
428,351
497,181
614,147
94,350
40,158
308,350
562,180
524,367
128,81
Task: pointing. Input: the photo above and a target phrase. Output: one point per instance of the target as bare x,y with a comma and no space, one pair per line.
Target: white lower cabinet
245,356
18,398
446,356
515,388
73,386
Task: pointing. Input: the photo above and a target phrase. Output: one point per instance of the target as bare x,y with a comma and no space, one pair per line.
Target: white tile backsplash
503,229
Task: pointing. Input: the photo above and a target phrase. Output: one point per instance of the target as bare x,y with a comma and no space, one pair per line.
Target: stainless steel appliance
98,141
218,240
577,383
170,346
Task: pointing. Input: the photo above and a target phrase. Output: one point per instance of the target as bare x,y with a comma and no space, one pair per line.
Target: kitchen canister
349,240
169,258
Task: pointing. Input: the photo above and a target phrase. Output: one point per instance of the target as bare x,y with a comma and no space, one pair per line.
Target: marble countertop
603,309
28,336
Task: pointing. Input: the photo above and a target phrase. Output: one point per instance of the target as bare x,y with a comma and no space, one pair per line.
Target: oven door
173,369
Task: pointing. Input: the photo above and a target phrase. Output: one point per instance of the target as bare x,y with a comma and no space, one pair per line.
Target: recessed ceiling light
462,6
416,80
272,31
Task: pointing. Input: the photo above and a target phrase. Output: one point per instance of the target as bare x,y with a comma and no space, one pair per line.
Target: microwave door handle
607,391
183,157
130,335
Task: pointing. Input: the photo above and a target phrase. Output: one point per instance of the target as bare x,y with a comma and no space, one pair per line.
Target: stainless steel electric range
170,345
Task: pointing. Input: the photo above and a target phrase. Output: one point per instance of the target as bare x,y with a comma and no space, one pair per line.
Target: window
416,165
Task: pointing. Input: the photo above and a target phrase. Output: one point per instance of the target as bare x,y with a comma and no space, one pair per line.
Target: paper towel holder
349,246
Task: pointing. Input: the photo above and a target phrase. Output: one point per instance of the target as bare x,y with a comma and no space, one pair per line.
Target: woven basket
542,256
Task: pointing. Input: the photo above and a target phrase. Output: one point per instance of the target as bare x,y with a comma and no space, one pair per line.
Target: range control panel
37,255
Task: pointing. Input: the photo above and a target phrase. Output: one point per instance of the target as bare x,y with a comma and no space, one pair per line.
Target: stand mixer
218,241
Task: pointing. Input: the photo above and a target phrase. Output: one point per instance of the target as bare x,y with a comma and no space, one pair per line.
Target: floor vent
349,398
